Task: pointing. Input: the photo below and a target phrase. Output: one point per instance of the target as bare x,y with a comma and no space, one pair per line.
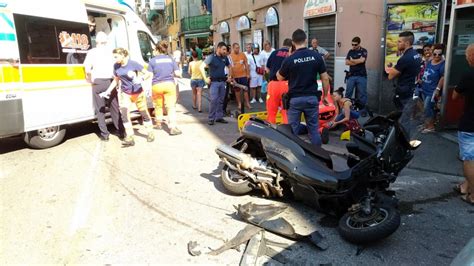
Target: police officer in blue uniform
406,69
355,59
301,69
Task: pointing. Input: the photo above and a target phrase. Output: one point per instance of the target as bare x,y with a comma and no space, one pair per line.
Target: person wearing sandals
345,110
197,80
130,74
432,83
465,88
164,70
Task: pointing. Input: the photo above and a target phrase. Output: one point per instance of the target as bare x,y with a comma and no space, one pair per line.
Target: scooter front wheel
234,182
364,228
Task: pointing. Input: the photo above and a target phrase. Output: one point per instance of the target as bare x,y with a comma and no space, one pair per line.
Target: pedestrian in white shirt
99,67
266,52
257,71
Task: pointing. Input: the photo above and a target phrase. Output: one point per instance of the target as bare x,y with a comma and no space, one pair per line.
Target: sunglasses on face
437,54
355,44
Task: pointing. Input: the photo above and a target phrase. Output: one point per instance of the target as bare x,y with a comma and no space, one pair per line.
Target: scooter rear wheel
234,182
361,228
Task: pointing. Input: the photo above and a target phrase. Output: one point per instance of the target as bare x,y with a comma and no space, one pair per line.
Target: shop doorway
226,38
245,38
273,36
324,29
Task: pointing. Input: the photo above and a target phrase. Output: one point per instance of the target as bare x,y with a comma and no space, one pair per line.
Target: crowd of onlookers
289,76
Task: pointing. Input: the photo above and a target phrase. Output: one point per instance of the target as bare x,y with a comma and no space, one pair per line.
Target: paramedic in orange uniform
277,88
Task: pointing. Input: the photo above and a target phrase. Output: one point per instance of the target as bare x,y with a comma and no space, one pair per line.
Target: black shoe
200,111
210,122
222,120
104,138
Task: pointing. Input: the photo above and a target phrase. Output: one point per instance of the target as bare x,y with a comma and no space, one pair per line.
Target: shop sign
319,7
223,28
271,18
157,4
73,42
243,23
421,19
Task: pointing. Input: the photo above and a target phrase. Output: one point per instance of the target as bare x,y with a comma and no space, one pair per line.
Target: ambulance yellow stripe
59,87
9,74
52,73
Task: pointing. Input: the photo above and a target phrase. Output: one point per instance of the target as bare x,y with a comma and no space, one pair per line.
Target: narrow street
87,201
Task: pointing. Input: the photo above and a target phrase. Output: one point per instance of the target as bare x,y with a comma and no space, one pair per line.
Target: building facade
196,19
333,22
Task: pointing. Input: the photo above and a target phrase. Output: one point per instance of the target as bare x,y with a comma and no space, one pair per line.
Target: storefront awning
196,35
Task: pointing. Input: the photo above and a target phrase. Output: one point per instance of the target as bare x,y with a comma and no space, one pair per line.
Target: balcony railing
197,23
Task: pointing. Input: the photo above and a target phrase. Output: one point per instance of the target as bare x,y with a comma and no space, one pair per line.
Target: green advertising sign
421,19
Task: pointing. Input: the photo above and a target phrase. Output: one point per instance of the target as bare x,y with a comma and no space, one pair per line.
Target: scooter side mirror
414,144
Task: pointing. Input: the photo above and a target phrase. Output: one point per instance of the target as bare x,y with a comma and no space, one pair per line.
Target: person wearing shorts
465,89
241,71
197,80
256,79
130,74
164,70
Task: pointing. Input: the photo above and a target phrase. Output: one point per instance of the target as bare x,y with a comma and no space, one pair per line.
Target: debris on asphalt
243,236
258,215
258,248
255,213
193,248
253,235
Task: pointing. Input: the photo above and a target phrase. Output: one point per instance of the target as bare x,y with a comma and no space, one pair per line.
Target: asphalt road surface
86,201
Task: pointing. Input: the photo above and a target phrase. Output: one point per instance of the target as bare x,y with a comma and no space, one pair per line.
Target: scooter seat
318,152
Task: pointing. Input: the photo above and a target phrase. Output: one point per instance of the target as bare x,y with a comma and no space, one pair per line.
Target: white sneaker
253,101
260,100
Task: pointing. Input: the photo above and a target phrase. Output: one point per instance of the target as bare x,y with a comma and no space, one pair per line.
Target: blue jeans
429,106
354,115
217,90
360,84
309,106
407,108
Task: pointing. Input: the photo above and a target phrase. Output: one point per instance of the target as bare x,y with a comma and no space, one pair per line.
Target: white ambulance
43,44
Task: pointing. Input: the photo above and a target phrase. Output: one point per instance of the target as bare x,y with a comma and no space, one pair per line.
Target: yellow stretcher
261,115
346,135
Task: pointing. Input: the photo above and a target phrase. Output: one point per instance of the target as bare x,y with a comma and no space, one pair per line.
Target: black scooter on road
353,186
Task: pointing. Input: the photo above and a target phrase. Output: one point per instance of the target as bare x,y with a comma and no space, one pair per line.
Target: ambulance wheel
325,136
45,137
